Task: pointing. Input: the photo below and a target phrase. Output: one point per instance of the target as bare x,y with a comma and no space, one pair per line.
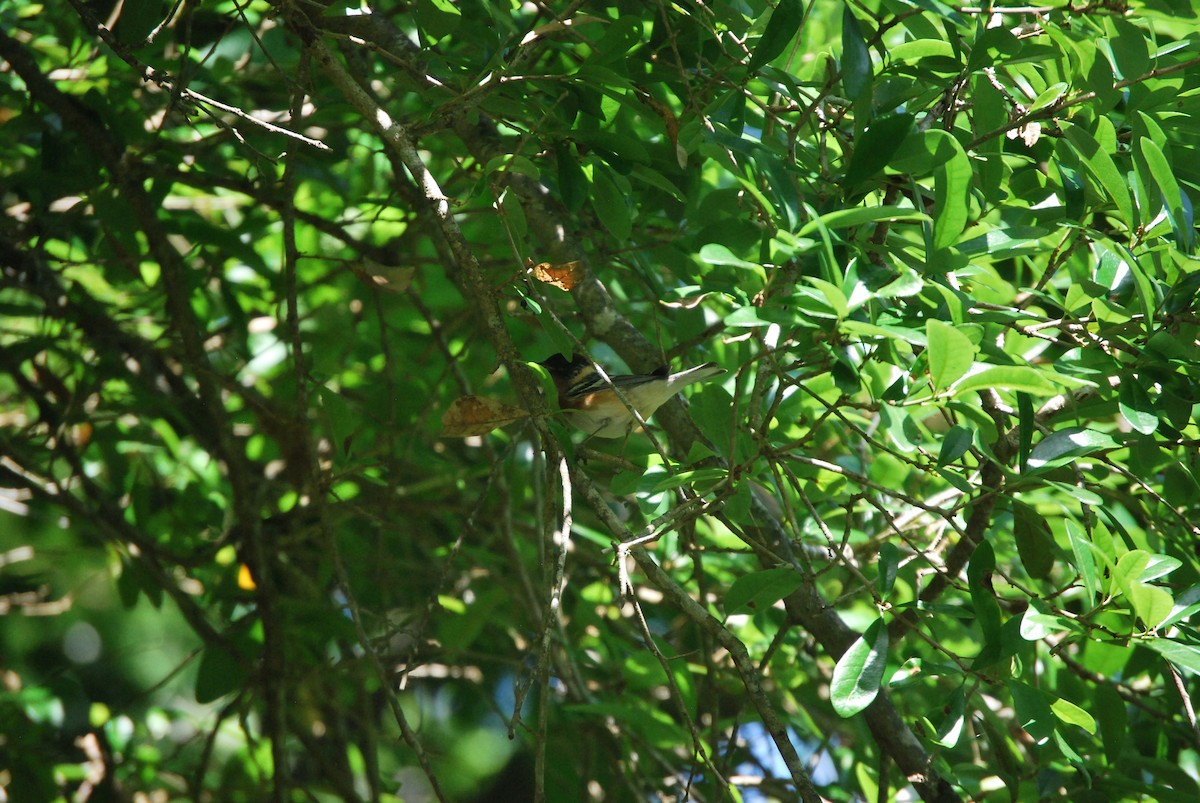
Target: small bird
591,404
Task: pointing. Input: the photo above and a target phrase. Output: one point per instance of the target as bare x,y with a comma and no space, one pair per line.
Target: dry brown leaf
564,276
478,415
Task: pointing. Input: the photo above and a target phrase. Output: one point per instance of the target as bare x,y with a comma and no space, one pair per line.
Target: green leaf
859,672
760,590
1136,407
1035,545
513,214
1074,197
1025,424
951,183
1158,566
951,729
781,29
611,204
1007,377
983,600
1101,169
438,18
1071,714
833,295
888,564
1187,604
1038,622
907,284
1066,444
956,443
881,138
856,59
1085,561
951,353
1034,713
572,183
137,20
702,479
1184,656
1113,720
1003,243
1127,43
1049,96
717,254
1151,603
1159,169
859,215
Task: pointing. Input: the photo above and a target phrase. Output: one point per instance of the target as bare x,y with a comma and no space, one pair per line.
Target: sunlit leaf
951,353
859,672
1067,444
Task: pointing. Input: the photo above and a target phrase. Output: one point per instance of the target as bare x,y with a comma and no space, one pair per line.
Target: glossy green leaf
699,479
952,180
1184,655
951,728
1039,622
1151,603
833,295
1018,378
1128,46
1071,714
1034,713
1158,566
717,254
951,353
1004,243
1187,604
859,672
955,444
1101,169
1159,169
1066,444
1136,407
860,215
1085,563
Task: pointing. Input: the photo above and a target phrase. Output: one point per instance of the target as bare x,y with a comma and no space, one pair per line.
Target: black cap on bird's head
558,365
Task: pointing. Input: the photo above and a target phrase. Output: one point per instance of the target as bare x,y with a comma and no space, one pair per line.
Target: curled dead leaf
478,415
564,276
